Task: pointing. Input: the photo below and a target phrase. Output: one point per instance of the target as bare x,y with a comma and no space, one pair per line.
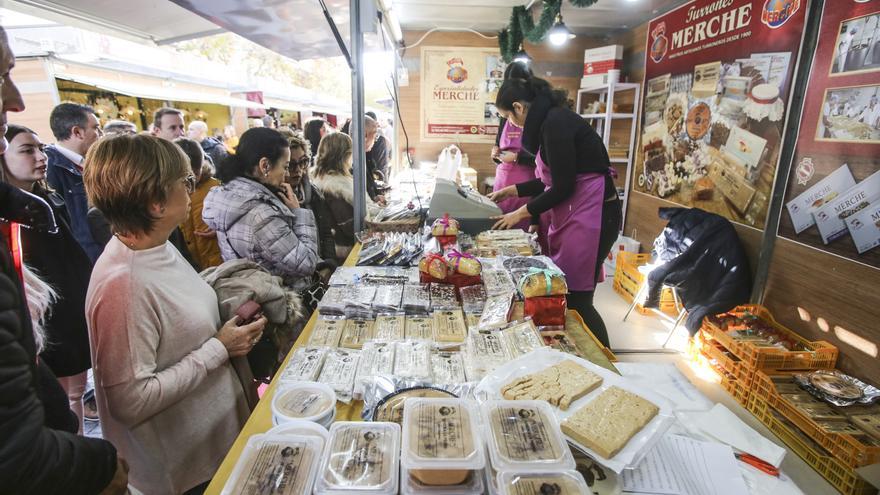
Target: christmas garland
522,26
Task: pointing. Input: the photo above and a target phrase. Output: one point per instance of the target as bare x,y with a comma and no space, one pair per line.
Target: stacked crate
761,378
628,280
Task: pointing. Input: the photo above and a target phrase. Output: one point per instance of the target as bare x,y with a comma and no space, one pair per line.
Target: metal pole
359,161
801,79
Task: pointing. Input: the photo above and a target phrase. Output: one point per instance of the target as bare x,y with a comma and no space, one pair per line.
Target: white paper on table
680,465
668,381
722,425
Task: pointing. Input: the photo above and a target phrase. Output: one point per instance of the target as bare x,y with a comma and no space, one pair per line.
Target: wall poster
717,79
832,198
458,94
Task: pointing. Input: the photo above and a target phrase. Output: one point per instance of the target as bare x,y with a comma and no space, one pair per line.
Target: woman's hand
507,156
288,197
534,228
511,219
495,151
503,193
239,340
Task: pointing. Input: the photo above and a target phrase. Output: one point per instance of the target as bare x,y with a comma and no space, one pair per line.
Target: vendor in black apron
574,185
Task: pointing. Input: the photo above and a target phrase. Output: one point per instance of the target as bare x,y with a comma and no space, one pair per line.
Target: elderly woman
256,214
201,242
167,393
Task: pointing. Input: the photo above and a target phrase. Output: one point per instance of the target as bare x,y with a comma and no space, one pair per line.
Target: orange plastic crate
734,379
725,359
849,449
819,354
628,279
842,477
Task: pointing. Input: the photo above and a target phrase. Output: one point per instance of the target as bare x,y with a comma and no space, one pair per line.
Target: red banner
718,74
832,198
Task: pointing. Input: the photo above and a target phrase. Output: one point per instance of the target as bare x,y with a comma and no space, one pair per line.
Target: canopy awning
158,92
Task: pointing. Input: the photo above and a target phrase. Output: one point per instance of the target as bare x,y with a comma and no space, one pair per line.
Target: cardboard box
830,219
595,81
801,208
864,227
601,60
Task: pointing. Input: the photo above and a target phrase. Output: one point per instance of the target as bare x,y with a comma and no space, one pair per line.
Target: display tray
634,450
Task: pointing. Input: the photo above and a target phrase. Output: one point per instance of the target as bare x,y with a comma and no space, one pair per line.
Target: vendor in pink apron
574,185
515,166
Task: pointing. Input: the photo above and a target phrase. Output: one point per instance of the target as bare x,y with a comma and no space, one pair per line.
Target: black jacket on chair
704,259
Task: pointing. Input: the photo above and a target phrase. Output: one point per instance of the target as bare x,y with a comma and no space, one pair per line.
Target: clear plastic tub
525,434
474,485
532,483
442,435
301,428
278,464
361,458
308,401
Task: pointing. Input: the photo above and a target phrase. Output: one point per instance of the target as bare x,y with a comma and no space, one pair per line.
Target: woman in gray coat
256,214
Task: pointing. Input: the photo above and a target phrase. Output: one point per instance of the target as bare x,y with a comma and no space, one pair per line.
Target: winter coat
214,149
65,178
253,223
33,457
63,264
310,197
704,259
239,281
204,250
338,191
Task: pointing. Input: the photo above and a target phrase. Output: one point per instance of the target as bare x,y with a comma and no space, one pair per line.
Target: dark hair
11,131
67,115
517,70
312,131
193,151
372,115
346,127
255,144
526,90
157,117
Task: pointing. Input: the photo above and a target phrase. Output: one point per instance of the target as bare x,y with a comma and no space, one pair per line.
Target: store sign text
457,94
718,25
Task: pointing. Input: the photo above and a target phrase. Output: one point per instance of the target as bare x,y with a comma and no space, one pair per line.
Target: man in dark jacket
76,129
703,258
33,457
198,131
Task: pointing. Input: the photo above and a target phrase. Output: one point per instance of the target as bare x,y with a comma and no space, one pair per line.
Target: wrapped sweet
445,226
465,264
541,282
433,268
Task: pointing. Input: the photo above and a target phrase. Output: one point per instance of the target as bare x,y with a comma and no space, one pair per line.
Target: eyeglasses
302,162
190,183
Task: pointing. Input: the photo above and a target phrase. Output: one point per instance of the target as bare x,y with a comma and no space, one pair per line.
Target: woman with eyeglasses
310,197
256,214
169,397
61,262
200,240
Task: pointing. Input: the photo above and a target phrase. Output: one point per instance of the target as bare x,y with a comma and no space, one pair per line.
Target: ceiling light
521,56
559,33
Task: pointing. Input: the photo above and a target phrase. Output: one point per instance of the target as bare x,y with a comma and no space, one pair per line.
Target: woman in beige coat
167,393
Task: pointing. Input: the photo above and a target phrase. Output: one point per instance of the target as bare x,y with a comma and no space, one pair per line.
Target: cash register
473,210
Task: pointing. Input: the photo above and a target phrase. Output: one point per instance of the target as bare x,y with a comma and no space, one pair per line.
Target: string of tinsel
522,26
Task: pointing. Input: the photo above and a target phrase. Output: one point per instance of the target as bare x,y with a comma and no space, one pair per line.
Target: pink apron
575,226
507,174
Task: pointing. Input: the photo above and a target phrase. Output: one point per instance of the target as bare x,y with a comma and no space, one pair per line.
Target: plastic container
362,458
306,401
530,482
291,461
442,444
411,486
305,365
301,428
525,434
815,356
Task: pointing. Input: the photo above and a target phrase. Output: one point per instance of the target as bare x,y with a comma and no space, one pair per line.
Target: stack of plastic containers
361,458
308,401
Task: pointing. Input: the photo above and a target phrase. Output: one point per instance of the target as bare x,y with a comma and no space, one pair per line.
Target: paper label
801,208
390,327
413,360
303,403
340,367
831,218
279,467
522,435
376,358
305,365
864,227
442,431
419,328
539,486
486,345
356,333
359,458
447,367
326,333
449,327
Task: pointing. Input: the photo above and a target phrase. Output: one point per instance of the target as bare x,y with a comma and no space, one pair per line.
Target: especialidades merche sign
718,74
458,89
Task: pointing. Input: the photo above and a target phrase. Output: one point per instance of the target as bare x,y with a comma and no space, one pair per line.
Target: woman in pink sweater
167,392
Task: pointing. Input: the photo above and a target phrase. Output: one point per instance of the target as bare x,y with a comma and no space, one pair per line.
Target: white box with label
830,219
801,208
864,227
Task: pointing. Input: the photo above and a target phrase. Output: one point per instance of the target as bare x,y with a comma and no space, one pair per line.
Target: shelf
604,88
620,160
613,115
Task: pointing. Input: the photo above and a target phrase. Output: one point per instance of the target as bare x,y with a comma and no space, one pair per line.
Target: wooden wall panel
565,69
37,88
843,293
